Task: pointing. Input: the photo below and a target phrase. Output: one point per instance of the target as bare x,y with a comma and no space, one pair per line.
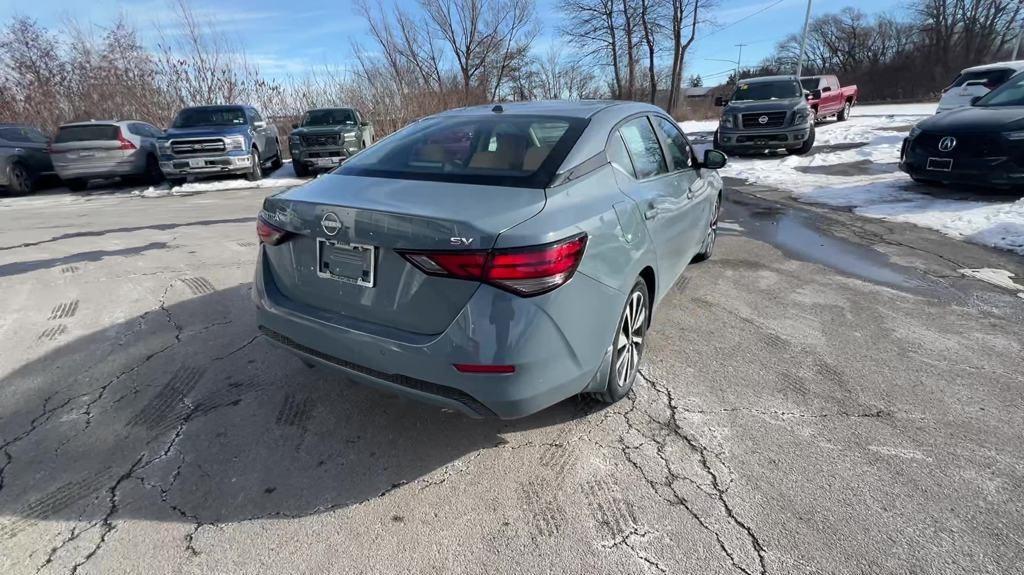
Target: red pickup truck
828,98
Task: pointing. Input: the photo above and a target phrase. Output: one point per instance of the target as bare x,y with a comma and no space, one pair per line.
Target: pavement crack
106,523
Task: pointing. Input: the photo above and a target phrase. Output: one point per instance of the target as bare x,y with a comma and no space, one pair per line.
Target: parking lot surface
828,394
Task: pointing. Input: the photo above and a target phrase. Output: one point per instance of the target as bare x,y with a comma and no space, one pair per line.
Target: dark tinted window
779,90
334,117
644,148
195,117
1009,94
85,133
23,135
677,145
489,150
618,155
991,78
810,84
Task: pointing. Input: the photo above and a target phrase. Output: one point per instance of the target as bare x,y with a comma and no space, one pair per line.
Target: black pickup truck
326,137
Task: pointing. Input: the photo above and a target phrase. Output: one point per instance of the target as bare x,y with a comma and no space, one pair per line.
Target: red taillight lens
269,233
523,271
479,368
125,143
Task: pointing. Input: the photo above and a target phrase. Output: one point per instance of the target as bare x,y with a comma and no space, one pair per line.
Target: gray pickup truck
768,113
326,137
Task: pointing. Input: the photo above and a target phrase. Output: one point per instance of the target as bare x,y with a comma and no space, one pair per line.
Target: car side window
644,148
255,115
675,141
618,156
136,129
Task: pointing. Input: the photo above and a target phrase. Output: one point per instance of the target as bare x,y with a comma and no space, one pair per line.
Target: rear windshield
87,133
518,151
991,78
780,90
329,117
195,117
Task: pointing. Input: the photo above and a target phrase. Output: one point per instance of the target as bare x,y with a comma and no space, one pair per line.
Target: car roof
330,108
1013,64
567,108
768,79
100,123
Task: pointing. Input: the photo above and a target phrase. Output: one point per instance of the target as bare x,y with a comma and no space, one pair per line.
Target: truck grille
322,140
753,120
197,146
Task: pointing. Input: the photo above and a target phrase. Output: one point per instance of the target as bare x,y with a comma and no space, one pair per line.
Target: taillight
126,144
523,271
269,233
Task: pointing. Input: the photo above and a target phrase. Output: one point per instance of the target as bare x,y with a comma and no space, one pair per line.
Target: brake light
126,144
269,233
526,272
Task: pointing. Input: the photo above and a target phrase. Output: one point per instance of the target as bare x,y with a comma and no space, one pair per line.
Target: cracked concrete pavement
840,400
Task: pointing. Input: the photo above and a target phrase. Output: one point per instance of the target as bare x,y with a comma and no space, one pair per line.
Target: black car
982,144
24,157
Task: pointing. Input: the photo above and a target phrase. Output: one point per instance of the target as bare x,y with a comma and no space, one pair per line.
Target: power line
748,16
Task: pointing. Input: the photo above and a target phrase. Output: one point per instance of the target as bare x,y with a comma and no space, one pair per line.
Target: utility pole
739,59
803,41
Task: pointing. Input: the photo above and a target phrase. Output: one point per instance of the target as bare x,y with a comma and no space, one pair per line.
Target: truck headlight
296,139
799,118
234,143
350,137
727,121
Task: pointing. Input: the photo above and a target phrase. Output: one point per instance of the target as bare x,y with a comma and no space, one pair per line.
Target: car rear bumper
997,172
74,170
229,163
557,343
764,139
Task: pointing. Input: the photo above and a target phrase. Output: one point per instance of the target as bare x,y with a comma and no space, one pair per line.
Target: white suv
976,82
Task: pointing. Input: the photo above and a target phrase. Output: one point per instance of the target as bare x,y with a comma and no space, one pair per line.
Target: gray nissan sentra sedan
495,260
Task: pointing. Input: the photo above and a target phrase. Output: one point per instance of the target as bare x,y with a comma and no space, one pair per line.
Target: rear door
657,192
691,211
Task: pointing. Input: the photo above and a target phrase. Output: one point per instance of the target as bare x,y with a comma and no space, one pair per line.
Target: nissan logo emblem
762,120
947,144
330,223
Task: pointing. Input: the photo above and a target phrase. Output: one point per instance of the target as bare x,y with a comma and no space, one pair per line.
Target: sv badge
461,241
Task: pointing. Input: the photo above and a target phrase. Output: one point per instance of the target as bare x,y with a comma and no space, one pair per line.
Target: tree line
913,56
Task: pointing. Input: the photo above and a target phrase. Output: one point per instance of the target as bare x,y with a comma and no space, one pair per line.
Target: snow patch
996,277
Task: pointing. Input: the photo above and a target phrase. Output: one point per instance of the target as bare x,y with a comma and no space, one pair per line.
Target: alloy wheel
257,169
629,343
709,241
20,178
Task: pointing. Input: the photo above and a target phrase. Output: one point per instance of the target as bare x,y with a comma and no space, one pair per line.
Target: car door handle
697,188
651,213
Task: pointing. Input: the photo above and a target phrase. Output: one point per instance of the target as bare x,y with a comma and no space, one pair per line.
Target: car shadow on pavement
186,414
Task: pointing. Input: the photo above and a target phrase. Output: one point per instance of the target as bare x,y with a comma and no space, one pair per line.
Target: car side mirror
295,125
815,95
720,101
975,99
714,159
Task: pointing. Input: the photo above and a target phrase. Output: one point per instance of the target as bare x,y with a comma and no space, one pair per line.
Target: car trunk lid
330,215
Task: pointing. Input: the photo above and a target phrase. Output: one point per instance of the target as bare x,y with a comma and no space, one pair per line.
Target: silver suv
105,149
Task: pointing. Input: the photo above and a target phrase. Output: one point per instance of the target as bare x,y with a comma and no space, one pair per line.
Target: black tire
255,172
175,182
20,179
277,162
844,114
76,184
708,246
301,171
633,322
154,175
805,148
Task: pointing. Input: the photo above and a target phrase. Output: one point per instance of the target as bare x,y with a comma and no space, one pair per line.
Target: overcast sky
287,37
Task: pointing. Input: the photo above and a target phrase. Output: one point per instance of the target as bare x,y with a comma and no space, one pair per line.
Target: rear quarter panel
592,204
